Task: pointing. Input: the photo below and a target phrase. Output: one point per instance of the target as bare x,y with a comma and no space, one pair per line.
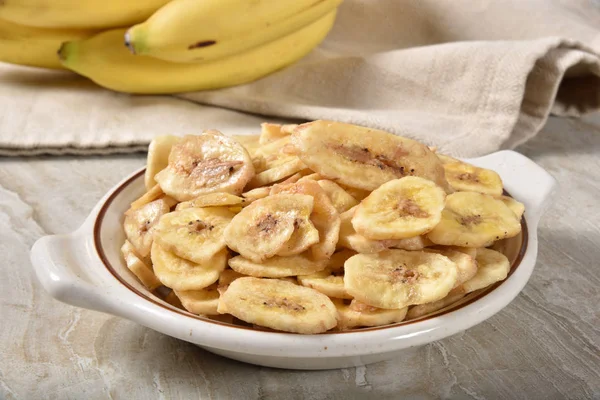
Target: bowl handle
57,260
524,179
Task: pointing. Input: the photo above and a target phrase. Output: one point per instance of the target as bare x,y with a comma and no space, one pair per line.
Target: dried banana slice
279,305
324,216
465,177
229,276
399,278
201,302
428,308
181,274
140,269
274,148
467,266
211,200
472,219
337,260
349,239
271,132
277,267
341,200
277,173
493,267
195,234
140,225
413,243
152,194
327,281
203,164
305,235
312,177
358,194
250,143
358,314
516,207
255,194
173,300
362,157
158,157
399,209
263,228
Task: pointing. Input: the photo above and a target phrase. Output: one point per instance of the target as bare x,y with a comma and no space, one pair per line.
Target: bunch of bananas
163,46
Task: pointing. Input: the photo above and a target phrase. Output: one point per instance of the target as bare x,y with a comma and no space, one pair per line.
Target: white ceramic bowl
85,269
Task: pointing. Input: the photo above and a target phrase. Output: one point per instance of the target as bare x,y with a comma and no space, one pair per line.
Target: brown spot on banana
198,45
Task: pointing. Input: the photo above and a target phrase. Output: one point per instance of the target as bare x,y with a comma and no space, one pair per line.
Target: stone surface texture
544,345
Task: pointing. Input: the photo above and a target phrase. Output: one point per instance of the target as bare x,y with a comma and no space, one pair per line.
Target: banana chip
305,235
142,271
364,158
428,308
271,132
277,173
472,219
467,266
158,157
211,200
277,267
195,234
399,278
516,207
341,200
140,225
337,260
358,315
180,274
399,209
264,227
465,177
279,305
493,267
249,142
201,302
324,216
349,239
203,164
152,194
327,282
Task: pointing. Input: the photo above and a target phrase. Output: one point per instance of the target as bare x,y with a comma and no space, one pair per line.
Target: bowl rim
467,300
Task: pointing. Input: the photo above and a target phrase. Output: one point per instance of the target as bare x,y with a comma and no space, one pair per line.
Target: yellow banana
192,31
36,47
78,13
105,60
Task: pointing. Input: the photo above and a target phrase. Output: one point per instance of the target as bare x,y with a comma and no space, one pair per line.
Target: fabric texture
470,77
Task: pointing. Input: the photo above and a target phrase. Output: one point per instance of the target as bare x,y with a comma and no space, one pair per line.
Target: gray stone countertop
544,345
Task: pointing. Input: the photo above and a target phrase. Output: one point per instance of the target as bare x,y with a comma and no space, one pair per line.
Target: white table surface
544,345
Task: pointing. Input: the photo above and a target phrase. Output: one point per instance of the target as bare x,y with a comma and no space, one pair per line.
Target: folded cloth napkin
471,77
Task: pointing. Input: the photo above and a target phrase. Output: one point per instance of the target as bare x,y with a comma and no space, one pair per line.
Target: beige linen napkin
471,76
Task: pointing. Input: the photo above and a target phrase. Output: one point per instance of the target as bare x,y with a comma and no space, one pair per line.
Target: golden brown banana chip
279,305
264,227
324,216
399,278
358,314
516,207
493,267
472,219
465,177
327,282
211,200
428,308
341,200
152,194
141,270
277,267
362,157
201,302
158,157
141,223
203,164
181,274
399,209
195,234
